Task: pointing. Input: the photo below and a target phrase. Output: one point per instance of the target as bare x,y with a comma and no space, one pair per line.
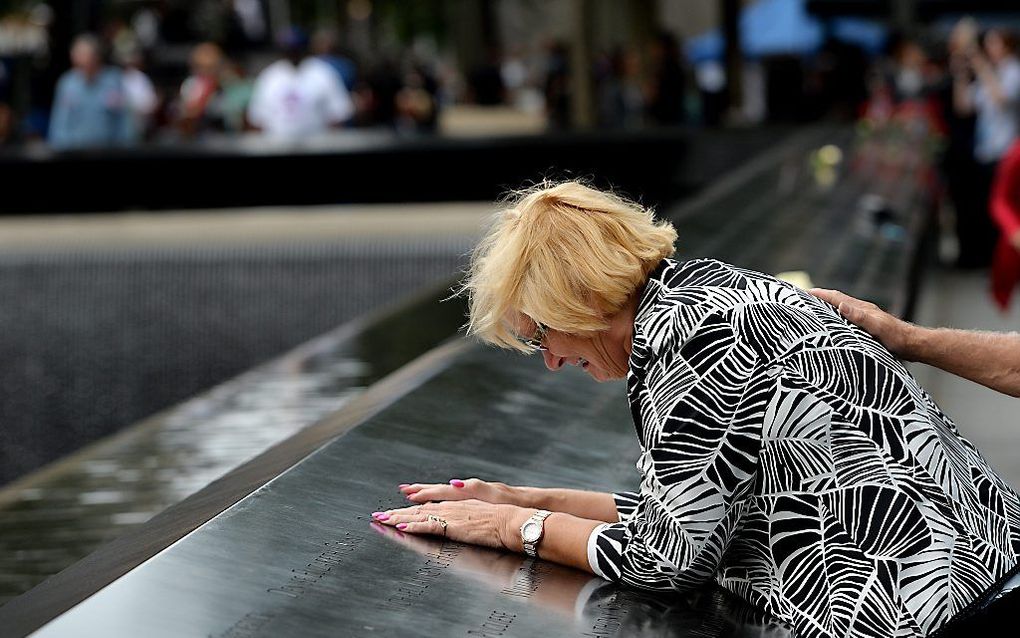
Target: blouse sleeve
700,403
626,504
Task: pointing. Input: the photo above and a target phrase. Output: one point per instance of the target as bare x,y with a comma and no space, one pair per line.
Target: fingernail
403,485
383,516
457,483
401,526
376,514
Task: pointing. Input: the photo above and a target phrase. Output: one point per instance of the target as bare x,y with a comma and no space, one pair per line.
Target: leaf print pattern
788,456
626,504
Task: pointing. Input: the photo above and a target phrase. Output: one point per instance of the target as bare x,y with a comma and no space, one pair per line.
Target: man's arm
963,101
339,106
60,128
989,358
985,71
258,107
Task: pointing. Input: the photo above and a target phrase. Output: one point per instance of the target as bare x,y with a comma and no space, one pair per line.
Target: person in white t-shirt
298,96
142,100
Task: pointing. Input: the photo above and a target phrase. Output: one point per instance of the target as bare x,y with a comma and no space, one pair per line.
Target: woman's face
600,354
85,57
995,47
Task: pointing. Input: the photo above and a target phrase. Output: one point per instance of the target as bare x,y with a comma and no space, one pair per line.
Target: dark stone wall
90,343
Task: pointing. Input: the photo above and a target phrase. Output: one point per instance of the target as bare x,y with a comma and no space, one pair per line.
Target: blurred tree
410,19
644,26
904,15
582,84
730,12
472,25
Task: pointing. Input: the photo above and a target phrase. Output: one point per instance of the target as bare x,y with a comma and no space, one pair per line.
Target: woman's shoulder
675,275
700,287
679,296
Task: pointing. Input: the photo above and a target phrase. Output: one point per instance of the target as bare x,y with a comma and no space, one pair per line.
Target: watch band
538,518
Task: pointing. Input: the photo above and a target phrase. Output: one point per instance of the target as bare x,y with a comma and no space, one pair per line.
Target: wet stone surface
122,482
302,557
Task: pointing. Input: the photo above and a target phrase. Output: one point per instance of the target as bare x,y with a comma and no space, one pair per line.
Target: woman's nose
552,362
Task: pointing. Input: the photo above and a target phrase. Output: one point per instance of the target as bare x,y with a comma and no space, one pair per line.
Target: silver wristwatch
532,532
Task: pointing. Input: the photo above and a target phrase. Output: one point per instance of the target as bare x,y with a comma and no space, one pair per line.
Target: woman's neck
621,324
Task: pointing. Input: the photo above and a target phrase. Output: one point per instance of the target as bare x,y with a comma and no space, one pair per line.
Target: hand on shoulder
894,333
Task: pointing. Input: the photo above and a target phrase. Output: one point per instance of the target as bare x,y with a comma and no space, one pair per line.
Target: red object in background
197,93
1005,211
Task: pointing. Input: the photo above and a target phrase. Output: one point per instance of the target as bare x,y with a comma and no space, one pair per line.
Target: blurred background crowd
86,75
79,74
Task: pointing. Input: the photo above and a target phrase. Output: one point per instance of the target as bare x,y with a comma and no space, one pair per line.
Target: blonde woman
785,454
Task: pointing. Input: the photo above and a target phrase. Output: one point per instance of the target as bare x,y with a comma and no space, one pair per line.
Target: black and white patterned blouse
788,456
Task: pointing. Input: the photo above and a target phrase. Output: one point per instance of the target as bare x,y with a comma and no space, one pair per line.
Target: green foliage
404,18
8,7
411,18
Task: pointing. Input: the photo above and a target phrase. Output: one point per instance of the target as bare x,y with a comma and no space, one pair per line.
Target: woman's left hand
471,521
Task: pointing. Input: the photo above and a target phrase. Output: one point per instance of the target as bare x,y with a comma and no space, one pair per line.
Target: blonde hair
566,255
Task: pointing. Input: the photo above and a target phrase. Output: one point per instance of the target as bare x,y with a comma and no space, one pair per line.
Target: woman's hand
490,566
495,525
459,490
468,521
598,506
557,589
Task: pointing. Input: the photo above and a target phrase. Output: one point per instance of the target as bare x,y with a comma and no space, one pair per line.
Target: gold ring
436,519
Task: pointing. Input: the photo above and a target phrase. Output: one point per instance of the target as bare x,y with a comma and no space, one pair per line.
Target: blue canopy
867,34
778,27
706,47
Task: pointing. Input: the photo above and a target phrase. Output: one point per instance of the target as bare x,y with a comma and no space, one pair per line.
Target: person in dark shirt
486,81
668,87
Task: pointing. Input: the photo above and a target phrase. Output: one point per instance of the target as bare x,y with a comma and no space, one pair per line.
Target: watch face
531,532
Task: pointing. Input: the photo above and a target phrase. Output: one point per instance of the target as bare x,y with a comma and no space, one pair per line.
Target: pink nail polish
402,526
403,485
376,514
383,516
457,483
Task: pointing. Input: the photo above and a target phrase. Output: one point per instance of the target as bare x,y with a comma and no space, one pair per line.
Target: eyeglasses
535,342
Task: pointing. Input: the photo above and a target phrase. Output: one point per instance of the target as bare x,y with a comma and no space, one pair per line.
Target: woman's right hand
463,489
